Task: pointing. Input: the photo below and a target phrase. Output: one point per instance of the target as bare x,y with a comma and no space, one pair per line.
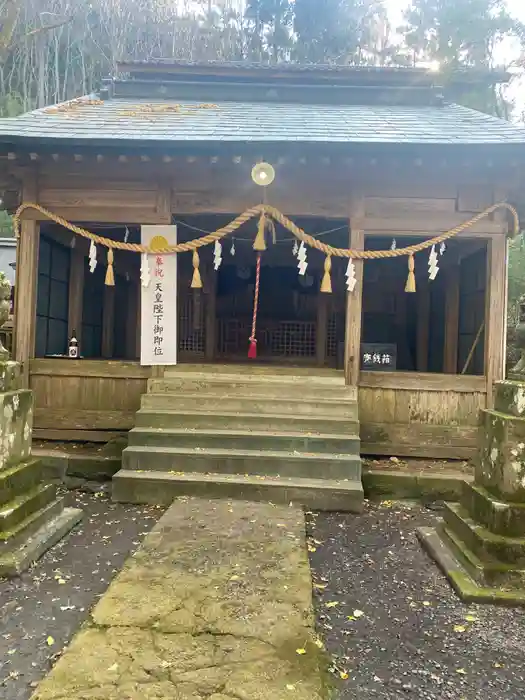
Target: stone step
27,527
233,385
487,573
207,420
161,488
484,544
244,439
23,506
14,481
245,404
242,462
496,515
51,525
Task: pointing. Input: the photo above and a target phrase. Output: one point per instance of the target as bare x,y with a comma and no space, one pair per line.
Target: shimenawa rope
266,213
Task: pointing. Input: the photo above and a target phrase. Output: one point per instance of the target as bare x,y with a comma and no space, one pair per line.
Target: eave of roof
167,123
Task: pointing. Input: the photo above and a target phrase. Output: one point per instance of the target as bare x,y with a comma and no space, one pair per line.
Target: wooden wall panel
86,395
420,415
147,190
385,206
107,197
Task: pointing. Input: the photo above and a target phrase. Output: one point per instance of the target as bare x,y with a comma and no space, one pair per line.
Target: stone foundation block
500,467
480,545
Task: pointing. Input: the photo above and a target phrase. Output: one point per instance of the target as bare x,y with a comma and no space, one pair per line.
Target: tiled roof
89,120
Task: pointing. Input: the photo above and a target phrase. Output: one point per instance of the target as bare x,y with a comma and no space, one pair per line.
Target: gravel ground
41,611
408,635
392,623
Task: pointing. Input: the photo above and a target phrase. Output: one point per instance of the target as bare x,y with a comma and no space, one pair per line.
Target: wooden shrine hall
362,159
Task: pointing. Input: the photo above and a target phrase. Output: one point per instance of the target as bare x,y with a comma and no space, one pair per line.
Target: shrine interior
439,329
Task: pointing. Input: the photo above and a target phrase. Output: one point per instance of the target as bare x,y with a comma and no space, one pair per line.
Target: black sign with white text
381,357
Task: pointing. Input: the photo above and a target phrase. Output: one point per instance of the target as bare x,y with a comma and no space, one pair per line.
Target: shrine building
366,160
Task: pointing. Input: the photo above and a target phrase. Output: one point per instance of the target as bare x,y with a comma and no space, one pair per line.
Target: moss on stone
215,604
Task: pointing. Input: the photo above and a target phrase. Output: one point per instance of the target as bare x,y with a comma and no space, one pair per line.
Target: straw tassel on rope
411,279
259,243
326,284
110,275
196,282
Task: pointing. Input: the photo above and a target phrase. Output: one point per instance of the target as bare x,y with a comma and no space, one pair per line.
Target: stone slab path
215,605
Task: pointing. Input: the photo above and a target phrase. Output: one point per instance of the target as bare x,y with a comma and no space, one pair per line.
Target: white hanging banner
158,317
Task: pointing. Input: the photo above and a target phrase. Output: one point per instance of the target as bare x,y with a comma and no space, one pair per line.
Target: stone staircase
247,432
32,517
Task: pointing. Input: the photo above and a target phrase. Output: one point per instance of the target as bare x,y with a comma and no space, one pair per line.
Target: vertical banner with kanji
158,337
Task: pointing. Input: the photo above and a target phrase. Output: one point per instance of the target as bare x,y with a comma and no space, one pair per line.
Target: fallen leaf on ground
301,651
290,687
318,643
50,641
358,613
471,618
320,586
311,549
426,603
331,604
344,675
459,628
461,671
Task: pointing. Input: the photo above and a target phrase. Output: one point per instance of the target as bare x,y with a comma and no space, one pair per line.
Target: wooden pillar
26,283
450,345
495,312
138,292
76,294
321,329
354,300
423,324
132,319
210,311
108,323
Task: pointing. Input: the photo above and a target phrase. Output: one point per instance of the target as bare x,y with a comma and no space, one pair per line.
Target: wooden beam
133,319
108,322
495,314
139,318
26,283
58,367
422,381
423,324
321,329
450,344
210,310
354,300
76,294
